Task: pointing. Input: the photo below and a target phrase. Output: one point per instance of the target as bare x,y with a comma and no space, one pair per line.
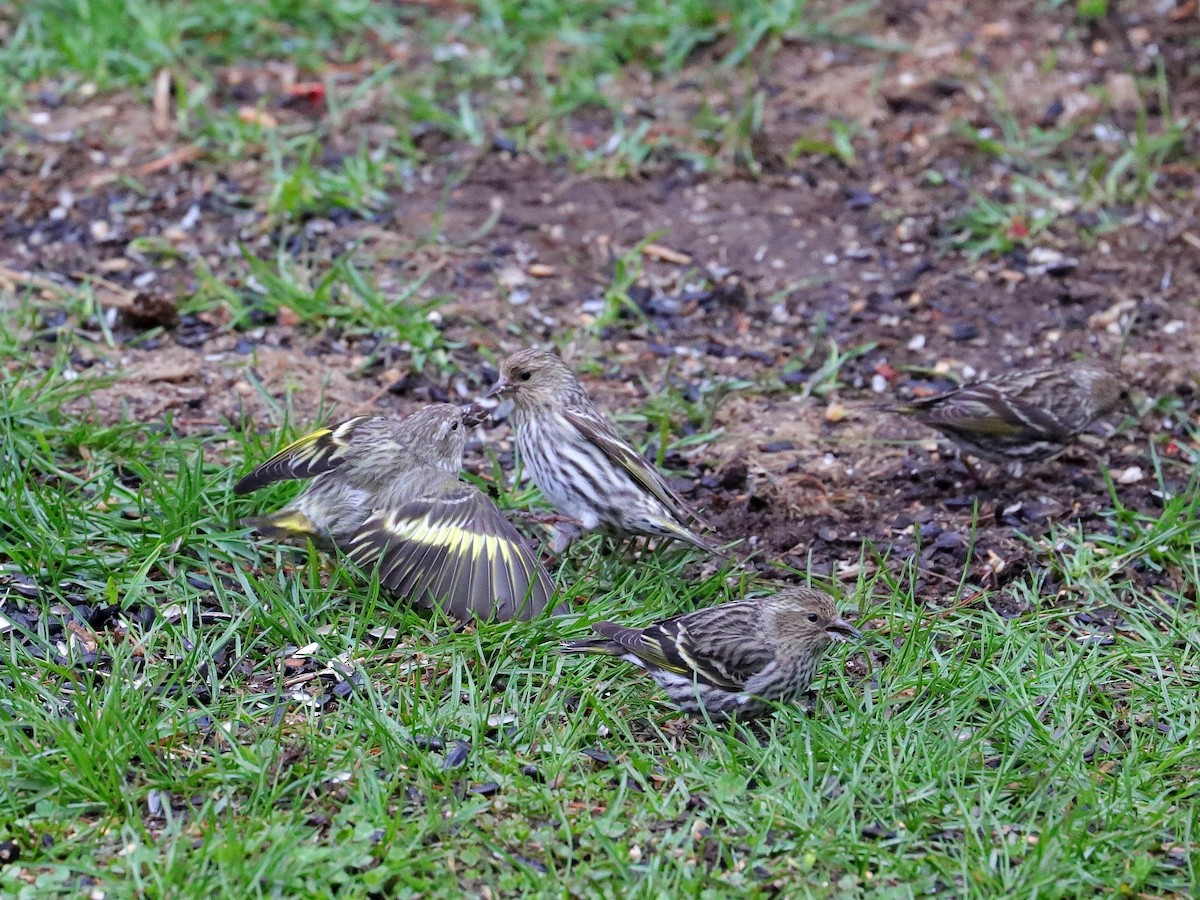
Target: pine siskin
1022,416
733,658
579,461
387,492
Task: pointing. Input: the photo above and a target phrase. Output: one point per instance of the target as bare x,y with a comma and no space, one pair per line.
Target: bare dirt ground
760,267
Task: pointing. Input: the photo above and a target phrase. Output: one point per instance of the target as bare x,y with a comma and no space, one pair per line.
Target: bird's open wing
318,452
453,547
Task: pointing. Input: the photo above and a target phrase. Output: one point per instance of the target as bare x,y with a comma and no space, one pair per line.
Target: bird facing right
1021,416
387,493
733,659
577,459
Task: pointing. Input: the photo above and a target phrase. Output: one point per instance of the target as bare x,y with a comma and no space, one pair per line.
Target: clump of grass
329,293
113,43
302,187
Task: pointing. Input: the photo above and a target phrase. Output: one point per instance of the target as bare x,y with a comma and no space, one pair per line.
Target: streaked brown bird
1021,416
735,658
387,493
579,461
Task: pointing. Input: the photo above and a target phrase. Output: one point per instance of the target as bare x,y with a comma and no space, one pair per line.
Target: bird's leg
538,517
564,533
972,469
975,472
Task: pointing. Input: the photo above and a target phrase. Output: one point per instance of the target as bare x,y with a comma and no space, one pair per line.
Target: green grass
114,42
1055,170
974,754
522,71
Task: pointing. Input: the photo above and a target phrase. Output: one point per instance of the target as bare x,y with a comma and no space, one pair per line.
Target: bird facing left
386,492
579,461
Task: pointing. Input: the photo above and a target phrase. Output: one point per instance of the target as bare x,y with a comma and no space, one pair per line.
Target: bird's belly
336,509
545,454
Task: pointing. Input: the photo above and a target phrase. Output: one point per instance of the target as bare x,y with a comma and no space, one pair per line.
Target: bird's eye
812,617
524,376
454,426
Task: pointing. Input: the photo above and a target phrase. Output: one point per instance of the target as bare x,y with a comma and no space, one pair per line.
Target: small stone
1132,475
511,276
259,117
1044,260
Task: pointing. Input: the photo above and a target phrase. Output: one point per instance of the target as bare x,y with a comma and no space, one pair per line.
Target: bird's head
1107,388
809,617
438,433
533,378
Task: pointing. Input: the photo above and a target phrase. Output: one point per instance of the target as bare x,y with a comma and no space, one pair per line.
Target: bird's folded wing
601,433
987,412
455,549
722,645
718,646
965,414
318,452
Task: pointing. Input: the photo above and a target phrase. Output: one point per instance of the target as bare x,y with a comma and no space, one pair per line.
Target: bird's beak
841,630
497,389
473,414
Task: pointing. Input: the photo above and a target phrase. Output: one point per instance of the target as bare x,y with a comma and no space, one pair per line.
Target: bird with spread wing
388,495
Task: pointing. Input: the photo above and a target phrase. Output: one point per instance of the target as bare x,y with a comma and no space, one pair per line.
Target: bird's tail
286,524
667,526
900,409
603,646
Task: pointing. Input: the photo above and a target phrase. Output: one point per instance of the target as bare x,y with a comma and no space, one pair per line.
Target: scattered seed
600,757
666,254
457,756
